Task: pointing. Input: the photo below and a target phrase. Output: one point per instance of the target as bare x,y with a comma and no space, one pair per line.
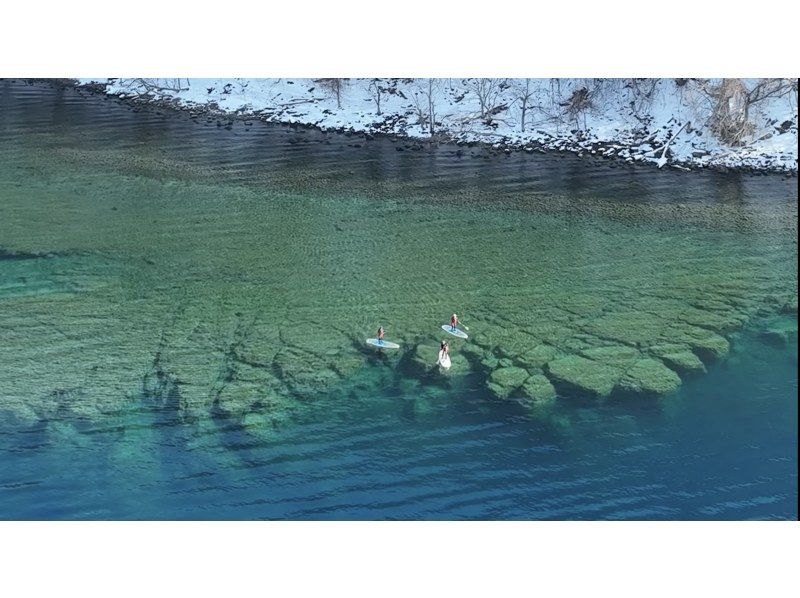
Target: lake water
184,303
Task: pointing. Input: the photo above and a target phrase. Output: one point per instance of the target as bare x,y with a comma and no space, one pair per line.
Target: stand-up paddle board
445,362
376,342
457,332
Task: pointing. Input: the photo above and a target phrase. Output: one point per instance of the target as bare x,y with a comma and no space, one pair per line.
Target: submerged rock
490,362
631,328
779,331
314,338
603,371
579,374
619,356
649,377
473,351
160,385
459,365
264,425
423,358
304,373
708,345
678,357
505,380
536,357
712,304
423,361
248,387
790,307
538,388
256,422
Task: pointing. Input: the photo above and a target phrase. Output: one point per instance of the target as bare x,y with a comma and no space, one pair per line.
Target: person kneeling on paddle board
381,334
453,322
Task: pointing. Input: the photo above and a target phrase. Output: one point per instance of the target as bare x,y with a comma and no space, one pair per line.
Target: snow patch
667,125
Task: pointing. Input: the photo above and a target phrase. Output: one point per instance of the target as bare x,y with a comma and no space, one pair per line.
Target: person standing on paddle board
444,355
453,322
381,334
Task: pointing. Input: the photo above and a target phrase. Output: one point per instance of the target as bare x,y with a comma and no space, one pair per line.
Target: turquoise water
183,310
725,448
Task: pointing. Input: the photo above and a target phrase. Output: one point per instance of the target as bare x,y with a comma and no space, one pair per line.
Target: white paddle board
457,332
375,342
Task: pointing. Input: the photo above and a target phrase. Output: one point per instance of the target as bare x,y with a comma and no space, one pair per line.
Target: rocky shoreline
642,146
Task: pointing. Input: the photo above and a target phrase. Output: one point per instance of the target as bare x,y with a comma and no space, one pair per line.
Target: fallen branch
298,102
663,159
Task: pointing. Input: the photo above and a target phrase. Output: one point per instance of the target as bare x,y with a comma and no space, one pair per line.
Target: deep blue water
724,448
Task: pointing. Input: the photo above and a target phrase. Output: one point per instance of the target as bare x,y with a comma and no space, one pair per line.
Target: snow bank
664,121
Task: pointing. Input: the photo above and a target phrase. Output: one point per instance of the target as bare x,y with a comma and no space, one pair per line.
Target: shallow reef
127,277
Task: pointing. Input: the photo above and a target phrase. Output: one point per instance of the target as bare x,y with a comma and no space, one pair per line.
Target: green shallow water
145,257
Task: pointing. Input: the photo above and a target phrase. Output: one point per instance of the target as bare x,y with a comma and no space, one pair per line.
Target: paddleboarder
453,322
444,355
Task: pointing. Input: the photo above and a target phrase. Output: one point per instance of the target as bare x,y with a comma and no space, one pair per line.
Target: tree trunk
731,111
431,114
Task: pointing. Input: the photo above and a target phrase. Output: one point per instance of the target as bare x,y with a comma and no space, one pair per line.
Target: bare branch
769,88
425,104
334,87
376,90
155,85
488,93
523,93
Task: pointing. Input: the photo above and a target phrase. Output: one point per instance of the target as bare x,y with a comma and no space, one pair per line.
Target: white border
413,38
399,559
575,38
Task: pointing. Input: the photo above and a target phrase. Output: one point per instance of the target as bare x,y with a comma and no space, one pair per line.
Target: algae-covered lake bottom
183,308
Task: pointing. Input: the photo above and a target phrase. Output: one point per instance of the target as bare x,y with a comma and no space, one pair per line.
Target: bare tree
732,101
433,85
540,100
641,93
156,85
770,88
578,104
488,93
376,90
682,86
420,107
730,116
334,87
523,93
555,90
425,104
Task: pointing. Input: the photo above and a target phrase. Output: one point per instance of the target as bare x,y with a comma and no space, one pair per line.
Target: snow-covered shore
665,122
